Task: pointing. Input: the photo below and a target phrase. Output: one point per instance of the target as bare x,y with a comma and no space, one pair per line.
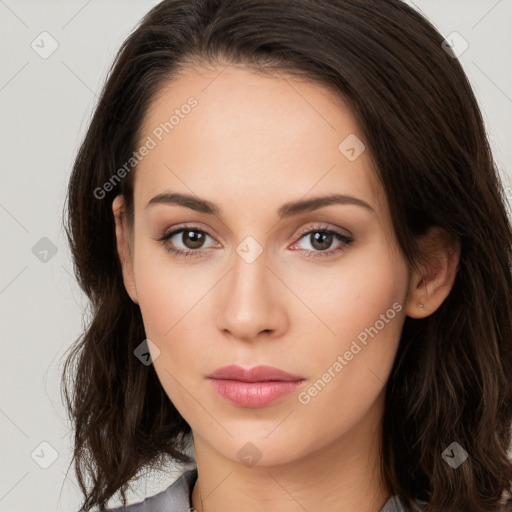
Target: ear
431,284
124,244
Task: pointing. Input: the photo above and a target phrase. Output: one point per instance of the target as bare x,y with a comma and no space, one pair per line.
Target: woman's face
262,284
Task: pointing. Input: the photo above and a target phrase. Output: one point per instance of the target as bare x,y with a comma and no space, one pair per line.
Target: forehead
271,134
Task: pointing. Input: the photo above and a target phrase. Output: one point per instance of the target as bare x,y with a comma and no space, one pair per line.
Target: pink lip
256,387
255,374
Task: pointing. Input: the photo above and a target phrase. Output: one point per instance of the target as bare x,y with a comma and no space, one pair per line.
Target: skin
253,143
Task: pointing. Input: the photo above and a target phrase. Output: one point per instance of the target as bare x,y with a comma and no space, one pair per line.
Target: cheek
167,294
354,295
167,291
159,305
361,308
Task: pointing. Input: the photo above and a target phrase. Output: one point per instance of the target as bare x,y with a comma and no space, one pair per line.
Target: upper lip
256,374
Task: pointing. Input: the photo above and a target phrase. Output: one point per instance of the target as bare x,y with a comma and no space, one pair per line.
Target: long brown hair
452,377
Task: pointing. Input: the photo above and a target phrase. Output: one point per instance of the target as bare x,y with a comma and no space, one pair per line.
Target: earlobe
433,281
123,246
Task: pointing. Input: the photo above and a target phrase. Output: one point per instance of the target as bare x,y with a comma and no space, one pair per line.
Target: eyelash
345,239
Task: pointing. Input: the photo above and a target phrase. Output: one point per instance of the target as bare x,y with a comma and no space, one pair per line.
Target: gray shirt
177,498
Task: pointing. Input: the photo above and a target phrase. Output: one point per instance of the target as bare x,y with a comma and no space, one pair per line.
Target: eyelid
324,227
169,233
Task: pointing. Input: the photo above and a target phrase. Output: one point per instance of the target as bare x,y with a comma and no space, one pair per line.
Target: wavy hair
452,376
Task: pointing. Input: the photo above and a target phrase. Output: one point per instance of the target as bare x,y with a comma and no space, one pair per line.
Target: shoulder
176,498
394,504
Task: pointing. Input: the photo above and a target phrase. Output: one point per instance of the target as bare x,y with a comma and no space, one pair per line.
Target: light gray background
45,108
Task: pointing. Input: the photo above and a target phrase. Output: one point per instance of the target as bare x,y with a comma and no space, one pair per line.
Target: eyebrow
287,210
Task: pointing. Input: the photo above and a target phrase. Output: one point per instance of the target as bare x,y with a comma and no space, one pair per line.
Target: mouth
256,387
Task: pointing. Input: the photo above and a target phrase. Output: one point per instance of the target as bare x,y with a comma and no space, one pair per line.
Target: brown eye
186,241
192,239
321,240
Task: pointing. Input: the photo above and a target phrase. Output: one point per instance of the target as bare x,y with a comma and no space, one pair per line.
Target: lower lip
253,394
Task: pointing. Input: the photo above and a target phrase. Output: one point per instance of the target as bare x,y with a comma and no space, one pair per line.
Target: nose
253,301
